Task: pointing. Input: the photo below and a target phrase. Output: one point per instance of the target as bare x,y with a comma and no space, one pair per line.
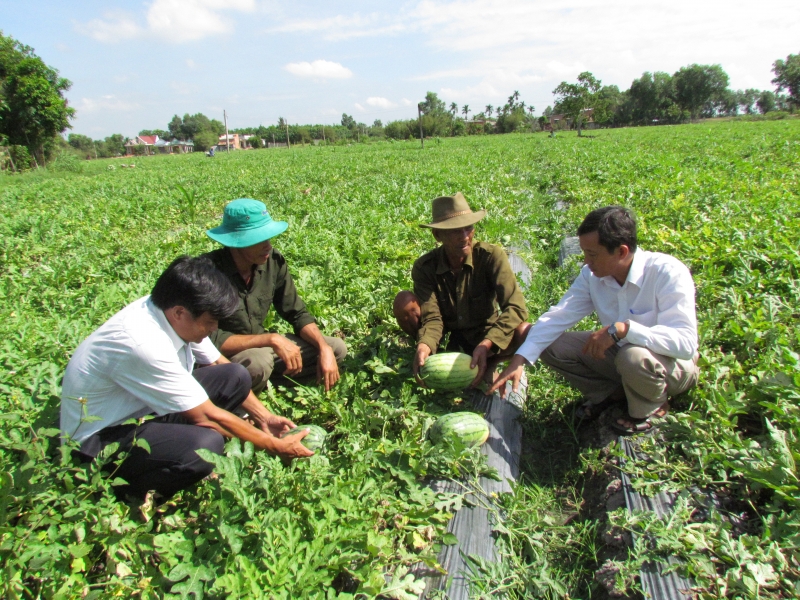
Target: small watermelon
315,439
471,428
448,371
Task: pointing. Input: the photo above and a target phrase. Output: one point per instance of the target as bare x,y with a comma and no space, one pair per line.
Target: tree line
34,112
692,92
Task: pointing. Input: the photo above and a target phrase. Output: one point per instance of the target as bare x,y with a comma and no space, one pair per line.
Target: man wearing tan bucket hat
262,281
463,287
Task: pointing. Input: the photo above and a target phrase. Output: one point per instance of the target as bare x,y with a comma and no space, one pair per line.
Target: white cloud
106,103
406,102
115,27
344,27
380,102
173,21
190,63
319,69
359,107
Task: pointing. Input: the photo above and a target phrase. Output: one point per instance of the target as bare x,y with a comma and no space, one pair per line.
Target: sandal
589,411
634,425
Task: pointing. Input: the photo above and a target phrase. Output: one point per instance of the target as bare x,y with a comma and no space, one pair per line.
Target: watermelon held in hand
471,428
448,371
315,440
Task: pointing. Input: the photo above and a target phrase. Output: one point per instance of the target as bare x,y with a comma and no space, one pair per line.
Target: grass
80,243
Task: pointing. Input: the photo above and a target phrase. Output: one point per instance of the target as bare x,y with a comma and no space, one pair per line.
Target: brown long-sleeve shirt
271,285
483,302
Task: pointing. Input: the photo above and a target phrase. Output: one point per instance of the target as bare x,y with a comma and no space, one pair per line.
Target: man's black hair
198,286
615,225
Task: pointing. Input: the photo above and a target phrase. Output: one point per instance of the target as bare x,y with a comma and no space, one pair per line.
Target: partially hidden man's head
615,227
198,286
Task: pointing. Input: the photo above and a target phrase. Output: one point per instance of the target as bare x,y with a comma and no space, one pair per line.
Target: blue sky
136,64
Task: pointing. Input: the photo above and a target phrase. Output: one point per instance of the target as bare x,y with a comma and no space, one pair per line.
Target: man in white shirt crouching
141,362
646,349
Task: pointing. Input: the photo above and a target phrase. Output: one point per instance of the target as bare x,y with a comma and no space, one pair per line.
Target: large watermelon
448,371
471,428
315,439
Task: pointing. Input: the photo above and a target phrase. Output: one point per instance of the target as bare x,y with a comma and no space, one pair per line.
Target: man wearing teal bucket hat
262,280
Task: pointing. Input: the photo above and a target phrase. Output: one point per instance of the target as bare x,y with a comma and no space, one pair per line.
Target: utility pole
287,134
273,139
227,137
419,118
323,133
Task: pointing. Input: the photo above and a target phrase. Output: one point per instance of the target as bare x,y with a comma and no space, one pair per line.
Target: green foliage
33,110
76,247
787,77
572,99
700,89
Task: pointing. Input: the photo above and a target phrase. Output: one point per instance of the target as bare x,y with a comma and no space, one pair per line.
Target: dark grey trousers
172,463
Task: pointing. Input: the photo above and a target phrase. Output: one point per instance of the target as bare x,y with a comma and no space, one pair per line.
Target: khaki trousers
263,363
648,379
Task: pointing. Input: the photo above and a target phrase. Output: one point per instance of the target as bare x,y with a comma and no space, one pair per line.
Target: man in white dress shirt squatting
646,349
141,362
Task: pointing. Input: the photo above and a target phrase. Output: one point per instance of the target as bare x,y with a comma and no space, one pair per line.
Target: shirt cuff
638,334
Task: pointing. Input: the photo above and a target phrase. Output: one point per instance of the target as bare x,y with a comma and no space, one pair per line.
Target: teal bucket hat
246,222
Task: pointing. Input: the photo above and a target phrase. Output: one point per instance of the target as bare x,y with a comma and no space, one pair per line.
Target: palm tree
465,111
489,110
453,108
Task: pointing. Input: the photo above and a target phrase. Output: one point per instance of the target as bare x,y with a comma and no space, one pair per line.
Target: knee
259,362
635,359
339,348
241,379
559,351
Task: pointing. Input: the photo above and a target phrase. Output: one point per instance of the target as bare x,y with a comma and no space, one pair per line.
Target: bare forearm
239,343
230,426
313,336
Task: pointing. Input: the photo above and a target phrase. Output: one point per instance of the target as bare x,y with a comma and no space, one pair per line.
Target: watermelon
471,428
315,439
448,371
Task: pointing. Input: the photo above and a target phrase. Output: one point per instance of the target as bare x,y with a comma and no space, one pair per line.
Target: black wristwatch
612,331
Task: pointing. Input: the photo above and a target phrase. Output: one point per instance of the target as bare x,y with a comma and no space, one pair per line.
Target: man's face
256,254
456,242
601,262
191,329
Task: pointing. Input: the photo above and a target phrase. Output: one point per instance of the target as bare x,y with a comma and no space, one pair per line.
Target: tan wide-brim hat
453,212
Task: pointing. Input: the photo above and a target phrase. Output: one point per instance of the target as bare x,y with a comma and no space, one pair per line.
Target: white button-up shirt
657,299
131,366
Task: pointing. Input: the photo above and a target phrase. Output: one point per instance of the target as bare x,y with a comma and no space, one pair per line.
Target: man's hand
327,369
479,357
423,352
513,372
290,446
288,352
600,341
276,425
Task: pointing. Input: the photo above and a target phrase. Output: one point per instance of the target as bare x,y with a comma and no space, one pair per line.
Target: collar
164,323
636,272
442,266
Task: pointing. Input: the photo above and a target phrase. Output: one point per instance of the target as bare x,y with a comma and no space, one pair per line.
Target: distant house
563,122
141,144
232,139
182,147
150,144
